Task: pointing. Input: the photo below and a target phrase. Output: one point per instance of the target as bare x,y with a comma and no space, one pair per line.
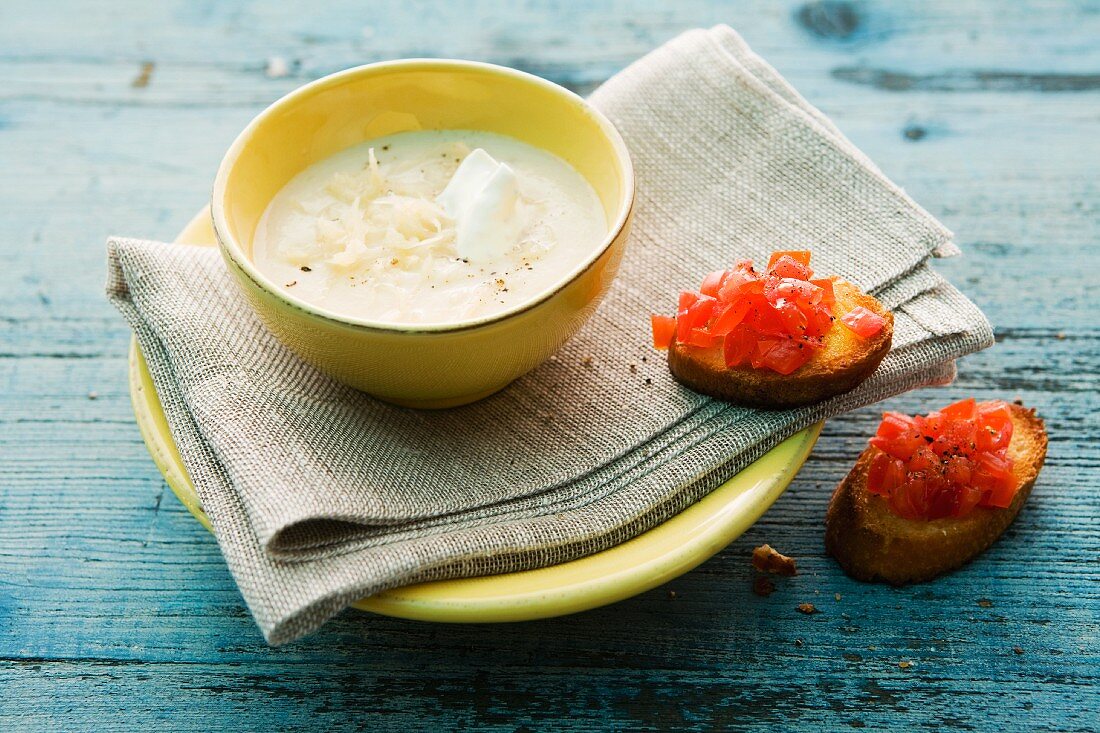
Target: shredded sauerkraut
376,226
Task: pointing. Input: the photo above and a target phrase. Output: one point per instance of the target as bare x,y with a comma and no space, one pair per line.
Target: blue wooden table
116,610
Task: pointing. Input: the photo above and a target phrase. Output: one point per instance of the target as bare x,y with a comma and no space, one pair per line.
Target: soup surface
427,227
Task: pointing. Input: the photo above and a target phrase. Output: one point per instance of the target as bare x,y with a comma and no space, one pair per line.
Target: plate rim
641,563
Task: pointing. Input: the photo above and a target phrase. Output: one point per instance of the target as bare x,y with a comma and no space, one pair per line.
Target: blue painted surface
116,611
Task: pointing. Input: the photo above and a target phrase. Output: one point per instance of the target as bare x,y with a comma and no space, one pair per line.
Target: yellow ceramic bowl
434,366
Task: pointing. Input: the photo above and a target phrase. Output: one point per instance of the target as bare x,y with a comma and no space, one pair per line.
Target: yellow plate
648,560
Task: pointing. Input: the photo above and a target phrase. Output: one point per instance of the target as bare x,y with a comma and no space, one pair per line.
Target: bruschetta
931,493
777,339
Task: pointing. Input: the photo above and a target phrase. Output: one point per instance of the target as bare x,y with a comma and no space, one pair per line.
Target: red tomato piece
687,299
1002,493
885,475
959,470
895,424
828,294
907,500
967,498
729,317
664,330
713,282
787,266
798,255
818,322
765,319
696,316
962,410
745,267
930,426
736,283
863,322
995,426
951,461
960,437
738,346
785,356
798,291
702,338
794,320
924,460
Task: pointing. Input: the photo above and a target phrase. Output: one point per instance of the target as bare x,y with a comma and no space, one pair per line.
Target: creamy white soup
429,227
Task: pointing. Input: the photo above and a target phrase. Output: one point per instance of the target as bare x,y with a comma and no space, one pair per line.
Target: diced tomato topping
787,266
894,424
739,284
776,320
765,318
801,256
729,317
664,329
712,282
865,323
962,410
738,346
828,297
702,338
797,291
784,355
794,320
687,299
996,430
697,315
945,463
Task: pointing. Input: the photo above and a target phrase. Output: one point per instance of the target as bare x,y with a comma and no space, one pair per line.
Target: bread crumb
837,596
1018,650
807,608
1061,336
762,586
93,395
985,603
767,560
633,368
672,595
904,664
142,79
587,361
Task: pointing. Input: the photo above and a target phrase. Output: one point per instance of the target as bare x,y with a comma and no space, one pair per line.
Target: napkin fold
320,495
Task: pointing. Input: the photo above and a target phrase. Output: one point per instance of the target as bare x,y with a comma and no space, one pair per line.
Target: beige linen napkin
320,495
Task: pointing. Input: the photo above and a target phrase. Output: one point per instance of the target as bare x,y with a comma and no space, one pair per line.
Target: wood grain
116,611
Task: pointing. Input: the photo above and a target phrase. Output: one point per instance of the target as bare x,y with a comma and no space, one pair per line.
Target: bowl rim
233,251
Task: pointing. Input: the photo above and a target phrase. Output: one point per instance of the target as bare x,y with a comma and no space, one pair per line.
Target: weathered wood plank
482,695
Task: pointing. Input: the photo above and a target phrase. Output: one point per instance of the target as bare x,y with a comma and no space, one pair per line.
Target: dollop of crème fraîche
429,227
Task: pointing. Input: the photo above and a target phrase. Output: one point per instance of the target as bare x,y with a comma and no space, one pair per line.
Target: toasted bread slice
872,543
845,360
